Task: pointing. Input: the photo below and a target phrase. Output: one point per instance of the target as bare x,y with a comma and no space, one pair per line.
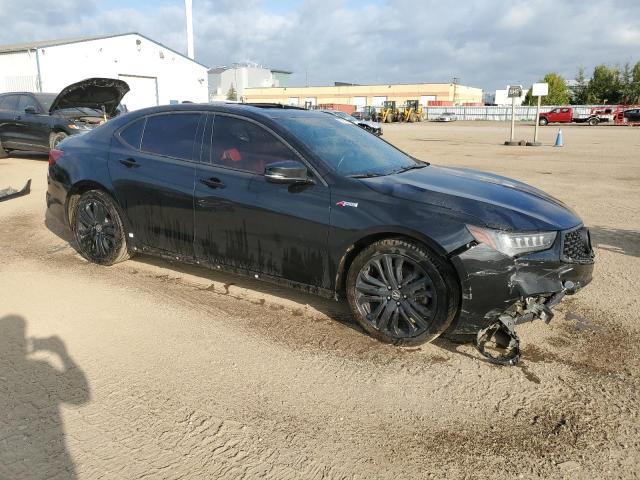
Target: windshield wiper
367,175
411,167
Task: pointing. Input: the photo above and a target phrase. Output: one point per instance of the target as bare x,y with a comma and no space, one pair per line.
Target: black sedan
39,121
304,199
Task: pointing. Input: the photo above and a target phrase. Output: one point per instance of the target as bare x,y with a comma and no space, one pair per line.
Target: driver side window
26,101
243,145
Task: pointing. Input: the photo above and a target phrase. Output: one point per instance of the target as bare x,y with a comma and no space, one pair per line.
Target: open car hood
92,93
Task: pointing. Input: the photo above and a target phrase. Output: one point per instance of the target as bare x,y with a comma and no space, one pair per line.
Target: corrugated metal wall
19,83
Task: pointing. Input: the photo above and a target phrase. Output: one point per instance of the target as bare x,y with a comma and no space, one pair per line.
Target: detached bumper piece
9,193
501,338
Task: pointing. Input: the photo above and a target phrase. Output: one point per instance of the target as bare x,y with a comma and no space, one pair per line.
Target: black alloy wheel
401,292
396,296
98,229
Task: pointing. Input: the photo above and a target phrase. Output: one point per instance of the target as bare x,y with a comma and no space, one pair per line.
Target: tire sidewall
56,138
120,252
426,259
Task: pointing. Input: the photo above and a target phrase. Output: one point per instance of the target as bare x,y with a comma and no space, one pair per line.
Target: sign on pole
513,92
538,90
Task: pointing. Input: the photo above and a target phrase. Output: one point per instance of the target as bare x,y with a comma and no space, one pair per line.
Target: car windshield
46,99
347,148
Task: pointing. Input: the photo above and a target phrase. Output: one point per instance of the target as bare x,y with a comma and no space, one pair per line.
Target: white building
156,74
241,76
501,97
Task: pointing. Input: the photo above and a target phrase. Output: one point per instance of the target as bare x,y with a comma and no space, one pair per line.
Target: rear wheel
55,138
98,229
543,121
594,121
400,292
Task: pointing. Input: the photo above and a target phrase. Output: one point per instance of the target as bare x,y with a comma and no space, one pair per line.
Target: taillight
54,155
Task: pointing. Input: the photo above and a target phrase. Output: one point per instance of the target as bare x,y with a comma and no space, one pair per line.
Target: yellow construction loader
412,112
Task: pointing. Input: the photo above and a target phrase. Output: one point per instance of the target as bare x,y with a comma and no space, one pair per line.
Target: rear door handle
212,182
130,163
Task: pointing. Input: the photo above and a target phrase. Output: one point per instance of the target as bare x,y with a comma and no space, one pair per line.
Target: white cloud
486,43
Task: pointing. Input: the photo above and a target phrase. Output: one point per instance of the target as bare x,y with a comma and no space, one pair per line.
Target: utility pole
188,7
455,88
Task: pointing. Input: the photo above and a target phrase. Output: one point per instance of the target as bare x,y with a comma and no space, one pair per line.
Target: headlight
76,126
513,243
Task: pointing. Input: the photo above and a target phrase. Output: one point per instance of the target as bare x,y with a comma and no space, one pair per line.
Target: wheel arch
82,186
352,251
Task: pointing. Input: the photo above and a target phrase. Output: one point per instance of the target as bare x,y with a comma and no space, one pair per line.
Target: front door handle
130,163
213,182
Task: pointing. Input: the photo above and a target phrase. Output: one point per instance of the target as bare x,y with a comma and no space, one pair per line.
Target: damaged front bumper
497,286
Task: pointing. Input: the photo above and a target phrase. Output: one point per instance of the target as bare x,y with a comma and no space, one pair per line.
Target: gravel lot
165,371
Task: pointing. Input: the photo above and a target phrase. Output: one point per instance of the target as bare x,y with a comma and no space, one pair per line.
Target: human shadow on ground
32,437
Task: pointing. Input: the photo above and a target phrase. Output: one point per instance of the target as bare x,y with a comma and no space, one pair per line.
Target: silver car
447,117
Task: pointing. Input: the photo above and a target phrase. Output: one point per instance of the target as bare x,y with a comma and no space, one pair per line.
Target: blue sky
486,43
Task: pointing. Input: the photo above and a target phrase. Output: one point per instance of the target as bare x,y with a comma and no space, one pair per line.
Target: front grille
576,246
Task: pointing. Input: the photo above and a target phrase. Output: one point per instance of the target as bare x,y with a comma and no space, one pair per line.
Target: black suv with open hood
39,121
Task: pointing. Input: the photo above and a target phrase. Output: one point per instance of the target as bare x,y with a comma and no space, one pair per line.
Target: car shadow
38,156
32,440
337,311
626,242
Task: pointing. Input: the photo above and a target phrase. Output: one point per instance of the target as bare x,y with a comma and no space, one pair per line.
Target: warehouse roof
21,47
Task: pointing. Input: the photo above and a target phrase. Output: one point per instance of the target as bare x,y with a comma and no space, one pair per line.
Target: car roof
254,110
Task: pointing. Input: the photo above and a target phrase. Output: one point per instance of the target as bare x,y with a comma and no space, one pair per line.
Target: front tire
98,229
593,121
543,122
401,292
55,138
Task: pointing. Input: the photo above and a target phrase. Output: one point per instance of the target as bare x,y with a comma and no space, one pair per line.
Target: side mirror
289,171
30,110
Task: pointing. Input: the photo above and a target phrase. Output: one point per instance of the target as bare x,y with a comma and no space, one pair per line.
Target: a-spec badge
342,203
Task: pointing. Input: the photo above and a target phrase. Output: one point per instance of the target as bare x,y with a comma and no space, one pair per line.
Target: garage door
359,102
378,101
143,93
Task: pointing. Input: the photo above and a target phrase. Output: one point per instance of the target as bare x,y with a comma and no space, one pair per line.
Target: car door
249,224
152,170
8,112
32,122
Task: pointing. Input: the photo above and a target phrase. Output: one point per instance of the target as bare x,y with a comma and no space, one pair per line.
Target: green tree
558,92
626,83
634,96
581,89
605,85
232,94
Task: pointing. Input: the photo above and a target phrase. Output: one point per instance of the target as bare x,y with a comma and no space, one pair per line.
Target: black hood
496,201
92,93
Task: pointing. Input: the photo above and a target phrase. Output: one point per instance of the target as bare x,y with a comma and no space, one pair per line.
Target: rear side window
132,134
172,135
10,102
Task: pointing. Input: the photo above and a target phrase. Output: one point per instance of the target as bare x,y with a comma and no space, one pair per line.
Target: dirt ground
163,371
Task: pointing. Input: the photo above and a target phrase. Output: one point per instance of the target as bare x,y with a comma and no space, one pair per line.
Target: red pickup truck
566,115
